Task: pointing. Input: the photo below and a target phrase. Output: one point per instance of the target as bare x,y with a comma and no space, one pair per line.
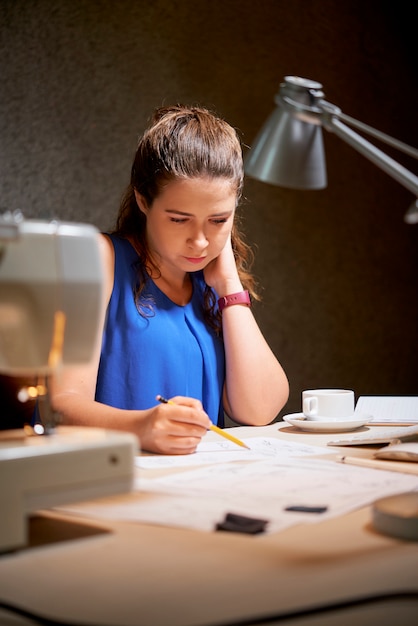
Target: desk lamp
288,151
51,284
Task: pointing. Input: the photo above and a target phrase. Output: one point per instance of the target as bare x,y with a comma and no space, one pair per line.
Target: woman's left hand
221,274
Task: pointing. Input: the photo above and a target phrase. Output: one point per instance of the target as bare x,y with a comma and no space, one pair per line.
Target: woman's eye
221,220
177,220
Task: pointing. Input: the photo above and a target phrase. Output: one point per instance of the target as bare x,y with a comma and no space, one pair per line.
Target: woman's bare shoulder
107,253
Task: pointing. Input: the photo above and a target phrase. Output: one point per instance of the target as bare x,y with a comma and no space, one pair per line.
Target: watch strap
242,297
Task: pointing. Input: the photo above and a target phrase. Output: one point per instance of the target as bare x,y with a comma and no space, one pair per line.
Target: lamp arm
371,152
390,141
322,112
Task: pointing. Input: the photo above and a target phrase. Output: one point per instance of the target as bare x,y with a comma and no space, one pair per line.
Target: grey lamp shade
288,152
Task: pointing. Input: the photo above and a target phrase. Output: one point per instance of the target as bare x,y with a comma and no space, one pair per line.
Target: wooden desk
121,574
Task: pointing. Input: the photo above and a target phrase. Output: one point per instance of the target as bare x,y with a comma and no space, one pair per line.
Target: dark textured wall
79,79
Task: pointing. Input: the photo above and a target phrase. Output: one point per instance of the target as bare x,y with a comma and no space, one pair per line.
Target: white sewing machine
50,296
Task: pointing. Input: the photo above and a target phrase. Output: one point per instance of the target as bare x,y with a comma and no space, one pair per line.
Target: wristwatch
242,297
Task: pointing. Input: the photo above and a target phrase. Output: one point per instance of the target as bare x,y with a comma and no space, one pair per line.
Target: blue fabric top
171,351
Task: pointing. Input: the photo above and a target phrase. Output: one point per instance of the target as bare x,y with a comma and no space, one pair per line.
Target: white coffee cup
327,404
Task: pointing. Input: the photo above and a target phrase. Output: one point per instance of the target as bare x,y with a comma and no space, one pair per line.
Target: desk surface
98,572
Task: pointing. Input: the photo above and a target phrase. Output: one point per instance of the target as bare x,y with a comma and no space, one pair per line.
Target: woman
178,319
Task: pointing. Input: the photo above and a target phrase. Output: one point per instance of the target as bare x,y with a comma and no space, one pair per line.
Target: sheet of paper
223,450
199,497
389,409
384,435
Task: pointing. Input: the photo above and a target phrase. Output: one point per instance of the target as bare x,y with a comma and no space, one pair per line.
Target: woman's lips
195,260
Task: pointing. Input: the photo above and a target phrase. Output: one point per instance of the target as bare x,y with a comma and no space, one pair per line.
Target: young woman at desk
178,319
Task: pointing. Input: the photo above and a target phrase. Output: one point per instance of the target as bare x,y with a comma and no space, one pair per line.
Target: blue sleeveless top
170,351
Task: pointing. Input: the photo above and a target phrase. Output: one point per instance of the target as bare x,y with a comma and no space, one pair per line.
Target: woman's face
189,223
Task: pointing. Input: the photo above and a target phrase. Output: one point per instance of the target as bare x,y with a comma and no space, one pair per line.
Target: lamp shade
288,152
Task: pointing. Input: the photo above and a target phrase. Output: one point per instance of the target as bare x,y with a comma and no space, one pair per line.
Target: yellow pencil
223,433
212,427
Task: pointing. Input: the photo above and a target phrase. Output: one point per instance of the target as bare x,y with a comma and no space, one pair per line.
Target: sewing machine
51,286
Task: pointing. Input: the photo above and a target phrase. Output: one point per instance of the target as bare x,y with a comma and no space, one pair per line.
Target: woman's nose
198,239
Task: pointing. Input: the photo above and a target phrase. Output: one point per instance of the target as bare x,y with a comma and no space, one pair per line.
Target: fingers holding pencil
211,426
174,426
185,401
189,411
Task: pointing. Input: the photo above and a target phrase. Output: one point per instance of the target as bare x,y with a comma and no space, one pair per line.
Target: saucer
335,426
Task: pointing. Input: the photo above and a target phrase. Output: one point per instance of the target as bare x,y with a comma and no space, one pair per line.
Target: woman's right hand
176,427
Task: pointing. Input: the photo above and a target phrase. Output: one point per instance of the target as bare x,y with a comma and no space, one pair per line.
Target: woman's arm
168,429
256,387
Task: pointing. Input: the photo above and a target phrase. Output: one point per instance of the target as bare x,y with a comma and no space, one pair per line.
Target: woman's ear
141,202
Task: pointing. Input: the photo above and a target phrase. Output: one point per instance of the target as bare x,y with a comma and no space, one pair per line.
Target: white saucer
335,426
